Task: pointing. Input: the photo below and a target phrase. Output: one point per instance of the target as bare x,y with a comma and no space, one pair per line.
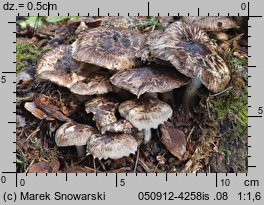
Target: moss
152,22
23,99
22,163
229,113
27,53
233,101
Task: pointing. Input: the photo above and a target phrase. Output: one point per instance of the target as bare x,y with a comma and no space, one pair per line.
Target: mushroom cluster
107,60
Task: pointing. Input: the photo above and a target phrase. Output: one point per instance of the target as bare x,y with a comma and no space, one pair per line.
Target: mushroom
96,83
145,113
127,22
74,134
58,67
119,126
111,145
111,48
103,109
174,139
211,23
194,54
151,79
144,53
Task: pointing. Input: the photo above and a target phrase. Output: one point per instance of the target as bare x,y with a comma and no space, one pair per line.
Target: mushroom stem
80,151
150,95
147,135
191,93
168,97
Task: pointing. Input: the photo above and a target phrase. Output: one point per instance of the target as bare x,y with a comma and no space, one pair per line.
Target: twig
94,165
103,166
135,168
29,165
189,135
143,164
33,133
225,90
208,109
154,170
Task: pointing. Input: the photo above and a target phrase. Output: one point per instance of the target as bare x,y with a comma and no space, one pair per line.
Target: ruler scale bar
135,188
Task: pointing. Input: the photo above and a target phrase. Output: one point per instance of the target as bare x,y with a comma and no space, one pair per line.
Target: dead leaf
174,139
40,167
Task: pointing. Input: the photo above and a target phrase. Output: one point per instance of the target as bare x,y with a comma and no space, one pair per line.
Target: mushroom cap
59,67
111,145
192,53
174,139
127,22
211,23
103,109
149,79
111,48
144,53
96,83
123,126
145,113
72,133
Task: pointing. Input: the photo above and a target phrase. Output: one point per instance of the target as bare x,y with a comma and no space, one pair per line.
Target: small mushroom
111,145
103,109
59,67
211,23
151,79
145,113
123,126
96,83
74,134
111,48
174,139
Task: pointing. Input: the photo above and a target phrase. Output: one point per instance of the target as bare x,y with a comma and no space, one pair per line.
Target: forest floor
216,130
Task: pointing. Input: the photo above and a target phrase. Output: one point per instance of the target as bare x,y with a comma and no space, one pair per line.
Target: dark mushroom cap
111,145
112,48
150,79
123,126
144,53
73,134
211,23
59,67
94,84
103,109
174,139
145,113
192,53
